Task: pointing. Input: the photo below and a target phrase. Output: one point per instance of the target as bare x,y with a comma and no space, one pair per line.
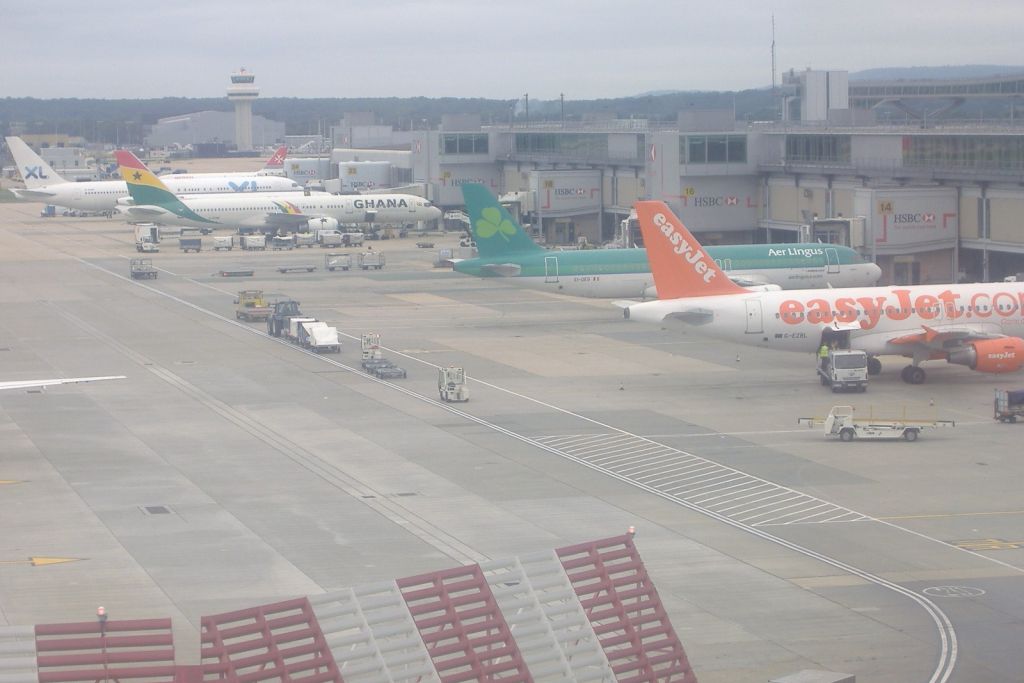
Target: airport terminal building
929,201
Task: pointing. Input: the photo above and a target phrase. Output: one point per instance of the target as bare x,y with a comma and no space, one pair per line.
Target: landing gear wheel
874,366
915,375
904,372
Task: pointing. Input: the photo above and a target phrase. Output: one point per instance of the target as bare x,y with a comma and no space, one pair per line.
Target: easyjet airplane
977,325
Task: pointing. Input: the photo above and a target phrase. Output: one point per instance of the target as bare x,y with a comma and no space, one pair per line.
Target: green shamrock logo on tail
490,223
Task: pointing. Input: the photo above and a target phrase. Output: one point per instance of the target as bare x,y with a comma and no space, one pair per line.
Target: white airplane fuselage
874,316
105,195
252,210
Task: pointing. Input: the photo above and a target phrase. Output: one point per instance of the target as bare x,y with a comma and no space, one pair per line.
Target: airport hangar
930,201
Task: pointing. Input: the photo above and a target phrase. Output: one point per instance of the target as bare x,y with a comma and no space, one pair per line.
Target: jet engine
323,223
991,355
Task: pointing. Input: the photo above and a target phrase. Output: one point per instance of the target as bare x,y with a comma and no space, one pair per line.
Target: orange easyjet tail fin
680,266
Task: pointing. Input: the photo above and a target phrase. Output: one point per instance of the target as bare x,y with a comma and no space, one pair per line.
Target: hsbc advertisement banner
454,176
918,218
567,193
718,203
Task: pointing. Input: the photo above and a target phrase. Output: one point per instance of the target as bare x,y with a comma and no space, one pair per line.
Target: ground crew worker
823,356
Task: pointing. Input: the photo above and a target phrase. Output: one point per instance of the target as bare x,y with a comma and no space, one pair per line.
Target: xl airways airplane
507,251
977,325
263,211
43,184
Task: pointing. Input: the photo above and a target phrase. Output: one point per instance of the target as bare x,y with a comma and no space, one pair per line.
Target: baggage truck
1009,405
291,332
319,337
223,242
142,269
188,244
338,261
254,242
330,238
305,239
843,423
370,259
844,369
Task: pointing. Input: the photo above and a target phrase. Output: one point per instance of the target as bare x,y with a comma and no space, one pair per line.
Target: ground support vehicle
1009,405
389,371
841,422
282,242
319,337
252,307
370,259
352,239
451,384
844,370
338,261
142,269
188,244
330,238
225,242
306,268
253,242
383,368
48,211
425,245
147,237
369,344
243,272
305,239
291,330
283,312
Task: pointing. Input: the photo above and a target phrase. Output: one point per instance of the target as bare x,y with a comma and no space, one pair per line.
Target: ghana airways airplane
977,325
43,184
264,211
506,250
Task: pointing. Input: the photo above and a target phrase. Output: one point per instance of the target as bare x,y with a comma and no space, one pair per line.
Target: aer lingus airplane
977,325
263,211
506,250
43,184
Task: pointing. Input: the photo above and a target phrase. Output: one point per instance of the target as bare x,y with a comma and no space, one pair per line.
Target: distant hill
917,73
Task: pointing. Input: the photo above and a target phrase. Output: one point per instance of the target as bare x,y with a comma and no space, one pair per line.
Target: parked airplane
274,166
506,250
263,211
977,325
41,383
43,184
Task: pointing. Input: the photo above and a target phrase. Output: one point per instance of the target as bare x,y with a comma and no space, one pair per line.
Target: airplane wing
27,193
502,269
147,212
41,383
692,316
748,280
943,338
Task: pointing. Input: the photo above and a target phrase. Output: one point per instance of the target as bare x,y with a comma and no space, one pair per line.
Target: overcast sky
403,48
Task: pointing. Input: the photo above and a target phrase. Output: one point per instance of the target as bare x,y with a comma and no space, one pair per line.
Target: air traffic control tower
242,92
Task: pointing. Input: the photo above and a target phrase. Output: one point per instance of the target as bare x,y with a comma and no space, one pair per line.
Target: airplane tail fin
276,160
34,171
680,266
143,185
494,230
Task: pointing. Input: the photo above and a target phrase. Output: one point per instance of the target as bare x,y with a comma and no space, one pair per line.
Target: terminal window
713,149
